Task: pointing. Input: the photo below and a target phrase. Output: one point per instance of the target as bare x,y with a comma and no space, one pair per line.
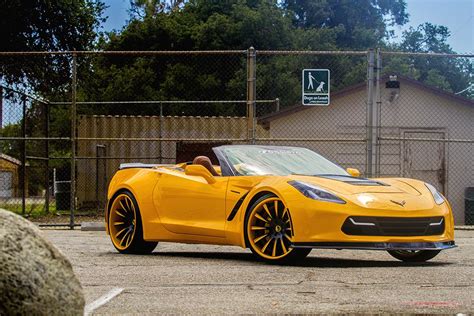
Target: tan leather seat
206,162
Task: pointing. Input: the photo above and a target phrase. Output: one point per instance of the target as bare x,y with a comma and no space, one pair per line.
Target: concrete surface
93,226
200,279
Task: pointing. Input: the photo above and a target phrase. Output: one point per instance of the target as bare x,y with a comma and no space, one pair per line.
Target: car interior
206,163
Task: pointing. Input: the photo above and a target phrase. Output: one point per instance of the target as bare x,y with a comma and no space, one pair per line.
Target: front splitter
378,245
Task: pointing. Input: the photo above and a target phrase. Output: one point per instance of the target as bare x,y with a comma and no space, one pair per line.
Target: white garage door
6,184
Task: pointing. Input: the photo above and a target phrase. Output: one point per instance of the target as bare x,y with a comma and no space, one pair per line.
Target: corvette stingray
281,202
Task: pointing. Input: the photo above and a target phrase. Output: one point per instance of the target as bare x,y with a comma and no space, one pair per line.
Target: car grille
393,226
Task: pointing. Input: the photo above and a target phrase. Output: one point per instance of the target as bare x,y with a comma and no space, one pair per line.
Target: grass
31,209
36,210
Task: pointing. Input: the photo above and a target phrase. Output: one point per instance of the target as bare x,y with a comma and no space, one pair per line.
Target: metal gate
425,160
6,184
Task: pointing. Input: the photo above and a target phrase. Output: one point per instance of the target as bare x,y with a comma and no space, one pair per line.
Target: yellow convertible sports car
278,201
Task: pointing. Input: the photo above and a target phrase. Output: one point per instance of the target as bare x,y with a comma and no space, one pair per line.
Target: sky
117,13
457,15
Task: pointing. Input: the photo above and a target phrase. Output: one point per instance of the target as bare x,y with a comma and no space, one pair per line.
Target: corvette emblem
401,203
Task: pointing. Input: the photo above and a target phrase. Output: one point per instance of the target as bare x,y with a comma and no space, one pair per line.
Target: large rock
35,278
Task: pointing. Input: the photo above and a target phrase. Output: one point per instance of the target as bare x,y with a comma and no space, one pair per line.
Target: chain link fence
29,175
390,115
336,131
425,124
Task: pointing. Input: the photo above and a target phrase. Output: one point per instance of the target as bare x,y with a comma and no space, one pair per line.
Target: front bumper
318,223
378,245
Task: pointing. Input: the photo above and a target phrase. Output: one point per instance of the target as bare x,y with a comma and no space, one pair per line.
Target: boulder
35,277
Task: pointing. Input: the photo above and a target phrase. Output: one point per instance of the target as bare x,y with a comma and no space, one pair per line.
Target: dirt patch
64,219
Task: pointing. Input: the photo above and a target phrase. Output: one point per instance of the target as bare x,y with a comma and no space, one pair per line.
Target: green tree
363,23
451,74
426,38
39,25
150,8
202,25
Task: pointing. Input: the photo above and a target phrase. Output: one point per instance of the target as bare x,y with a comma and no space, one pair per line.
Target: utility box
62,193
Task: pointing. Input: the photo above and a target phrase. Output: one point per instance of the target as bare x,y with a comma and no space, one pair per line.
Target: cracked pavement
203,279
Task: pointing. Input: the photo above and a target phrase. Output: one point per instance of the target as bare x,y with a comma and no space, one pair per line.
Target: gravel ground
201,279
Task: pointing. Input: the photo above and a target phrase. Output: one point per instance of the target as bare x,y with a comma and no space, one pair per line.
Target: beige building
408,109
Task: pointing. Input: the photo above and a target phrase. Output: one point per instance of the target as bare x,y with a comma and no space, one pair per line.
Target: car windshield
248,160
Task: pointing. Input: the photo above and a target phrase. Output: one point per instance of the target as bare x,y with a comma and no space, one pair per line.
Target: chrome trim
437,224
360,223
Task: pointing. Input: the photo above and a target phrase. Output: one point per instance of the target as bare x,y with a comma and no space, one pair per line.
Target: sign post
315,87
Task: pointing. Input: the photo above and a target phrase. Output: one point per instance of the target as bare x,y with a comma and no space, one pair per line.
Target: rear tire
269,231
125,225
414,255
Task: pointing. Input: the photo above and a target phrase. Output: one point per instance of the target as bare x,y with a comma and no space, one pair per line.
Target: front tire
269,231
125,226
414,255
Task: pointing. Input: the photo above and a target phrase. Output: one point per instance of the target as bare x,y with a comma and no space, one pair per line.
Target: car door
190,205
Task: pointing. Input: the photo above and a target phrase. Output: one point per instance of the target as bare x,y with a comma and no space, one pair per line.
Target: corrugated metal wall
136,139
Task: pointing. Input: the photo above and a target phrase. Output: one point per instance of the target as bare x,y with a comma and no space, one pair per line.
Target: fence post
370,112
1,111
46,149
23,160
251,93
97,156
378,111
73,141
160,150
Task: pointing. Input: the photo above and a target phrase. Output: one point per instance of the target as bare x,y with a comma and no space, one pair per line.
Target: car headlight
438,198
314,192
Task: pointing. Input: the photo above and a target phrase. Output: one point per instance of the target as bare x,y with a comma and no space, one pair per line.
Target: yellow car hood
384,195
340,185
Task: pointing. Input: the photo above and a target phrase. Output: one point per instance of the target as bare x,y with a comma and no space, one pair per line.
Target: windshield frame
227,169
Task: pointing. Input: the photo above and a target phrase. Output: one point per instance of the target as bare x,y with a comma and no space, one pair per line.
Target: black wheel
125,226
414,255
269,231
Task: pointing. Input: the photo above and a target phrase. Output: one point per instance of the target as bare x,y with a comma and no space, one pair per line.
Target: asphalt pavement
203,279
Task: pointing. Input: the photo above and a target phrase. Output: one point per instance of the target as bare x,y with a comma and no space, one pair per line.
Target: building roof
360,86
10,159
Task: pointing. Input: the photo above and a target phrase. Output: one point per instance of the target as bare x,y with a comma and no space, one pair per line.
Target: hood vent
356,181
